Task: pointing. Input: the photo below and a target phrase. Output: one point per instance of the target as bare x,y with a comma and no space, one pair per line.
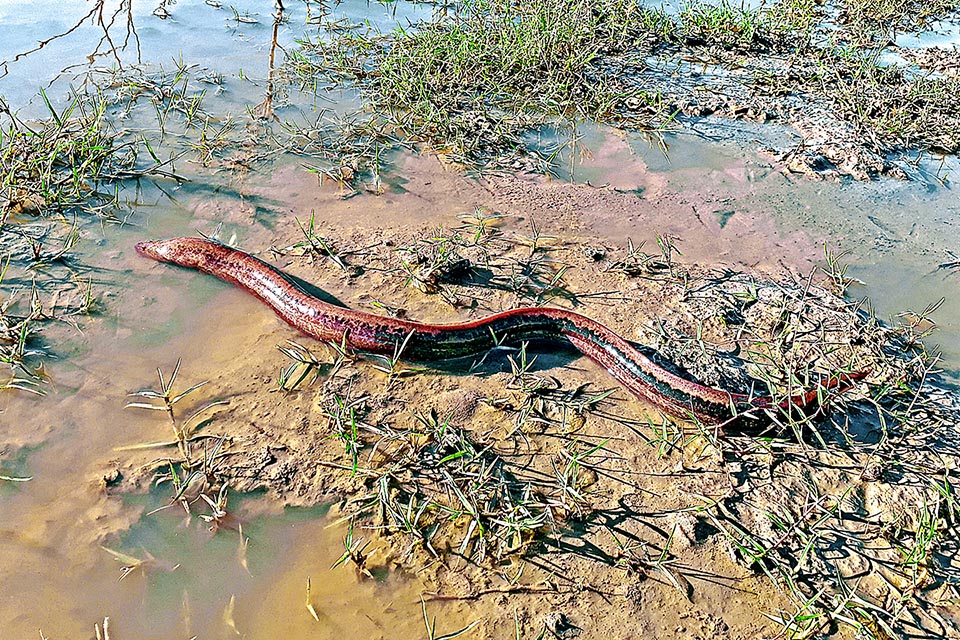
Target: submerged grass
67,171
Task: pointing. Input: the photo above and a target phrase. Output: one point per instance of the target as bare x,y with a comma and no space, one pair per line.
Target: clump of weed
872,19
725,25
470,83
795,18
58,165
196,473
891,108
784,26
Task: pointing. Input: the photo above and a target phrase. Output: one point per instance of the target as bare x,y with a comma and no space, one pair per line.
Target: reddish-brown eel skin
431,342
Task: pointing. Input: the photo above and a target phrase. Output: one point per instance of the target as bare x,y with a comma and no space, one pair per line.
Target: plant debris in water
62,176
52,172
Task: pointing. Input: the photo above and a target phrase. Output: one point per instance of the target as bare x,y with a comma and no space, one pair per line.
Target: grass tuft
471,83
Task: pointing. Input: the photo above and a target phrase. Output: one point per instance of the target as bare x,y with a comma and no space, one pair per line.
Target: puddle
897,233
227,43
941,33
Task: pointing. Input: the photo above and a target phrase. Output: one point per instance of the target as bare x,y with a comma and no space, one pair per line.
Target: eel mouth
149,249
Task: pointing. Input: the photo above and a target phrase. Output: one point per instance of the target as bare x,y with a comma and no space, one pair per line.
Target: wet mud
645,489
523,494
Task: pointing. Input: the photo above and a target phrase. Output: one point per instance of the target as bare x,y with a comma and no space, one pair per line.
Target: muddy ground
527,486
831,140
534,489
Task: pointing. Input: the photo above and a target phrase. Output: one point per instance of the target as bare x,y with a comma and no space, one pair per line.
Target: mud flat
528,486
444,172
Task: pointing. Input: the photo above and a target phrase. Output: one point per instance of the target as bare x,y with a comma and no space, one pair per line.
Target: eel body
432,342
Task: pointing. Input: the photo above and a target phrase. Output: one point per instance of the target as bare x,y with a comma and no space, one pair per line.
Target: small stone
558,624
112,477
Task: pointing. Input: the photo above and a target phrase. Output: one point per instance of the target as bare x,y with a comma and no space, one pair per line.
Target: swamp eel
422,342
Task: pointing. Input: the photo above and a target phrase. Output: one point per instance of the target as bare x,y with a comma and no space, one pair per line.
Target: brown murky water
727,206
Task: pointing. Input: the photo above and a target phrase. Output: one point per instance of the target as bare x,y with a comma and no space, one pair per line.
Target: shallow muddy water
897,233
728,205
